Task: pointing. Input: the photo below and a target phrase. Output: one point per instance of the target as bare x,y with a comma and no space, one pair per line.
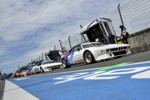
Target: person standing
112,38
124,34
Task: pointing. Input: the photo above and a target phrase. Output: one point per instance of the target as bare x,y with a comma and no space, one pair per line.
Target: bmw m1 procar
49,65
92,52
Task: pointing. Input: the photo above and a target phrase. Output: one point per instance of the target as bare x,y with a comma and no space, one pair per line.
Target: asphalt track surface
38,85
139,57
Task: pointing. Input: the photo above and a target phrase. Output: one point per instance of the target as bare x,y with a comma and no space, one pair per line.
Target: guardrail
140,41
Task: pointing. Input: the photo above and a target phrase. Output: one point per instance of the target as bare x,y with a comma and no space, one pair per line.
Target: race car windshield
91,45
47,62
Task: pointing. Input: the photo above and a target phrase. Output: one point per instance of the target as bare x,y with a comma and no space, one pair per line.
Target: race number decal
139,73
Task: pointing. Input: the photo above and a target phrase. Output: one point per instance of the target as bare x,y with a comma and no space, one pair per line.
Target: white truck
97,29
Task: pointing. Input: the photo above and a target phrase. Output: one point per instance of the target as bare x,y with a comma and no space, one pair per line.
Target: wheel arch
90,52
67,66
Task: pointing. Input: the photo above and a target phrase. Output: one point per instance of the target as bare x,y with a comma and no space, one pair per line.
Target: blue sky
30,27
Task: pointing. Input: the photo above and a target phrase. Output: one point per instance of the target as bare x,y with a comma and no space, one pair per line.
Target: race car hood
109,46
116,45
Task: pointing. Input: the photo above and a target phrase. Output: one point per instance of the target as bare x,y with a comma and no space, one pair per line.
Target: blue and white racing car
92,52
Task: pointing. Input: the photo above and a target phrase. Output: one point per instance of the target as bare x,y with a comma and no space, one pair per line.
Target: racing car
92,52
49,65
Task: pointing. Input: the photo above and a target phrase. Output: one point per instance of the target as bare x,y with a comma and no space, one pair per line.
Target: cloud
3,51
30,27
4,63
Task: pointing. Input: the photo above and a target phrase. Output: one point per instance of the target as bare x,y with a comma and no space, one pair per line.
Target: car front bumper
110,54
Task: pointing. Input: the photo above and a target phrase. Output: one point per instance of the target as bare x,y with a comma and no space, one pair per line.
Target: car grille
119,53
124,47
116,49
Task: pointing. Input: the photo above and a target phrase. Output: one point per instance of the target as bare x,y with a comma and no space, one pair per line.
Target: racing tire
88,57
50,69
64,64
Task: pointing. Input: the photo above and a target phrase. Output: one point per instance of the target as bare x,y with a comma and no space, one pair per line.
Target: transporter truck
97,30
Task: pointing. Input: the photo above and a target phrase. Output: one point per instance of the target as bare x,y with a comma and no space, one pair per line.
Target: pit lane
43,82
139,57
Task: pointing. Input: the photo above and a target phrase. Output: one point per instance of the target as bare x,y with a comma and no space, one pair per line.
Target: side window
77,48
71,50
85,37
107,27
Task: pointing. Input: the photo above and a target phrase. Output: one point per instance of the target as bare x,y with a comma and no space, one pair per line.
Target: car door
78,54
69,56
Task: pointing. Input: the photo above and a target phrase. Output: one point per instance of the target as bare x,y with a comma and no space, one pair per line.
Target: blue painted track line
113,84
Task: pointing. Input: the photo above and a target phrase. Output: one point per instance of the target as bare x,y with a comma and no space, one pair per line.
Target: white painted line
93,68
22,78
14,92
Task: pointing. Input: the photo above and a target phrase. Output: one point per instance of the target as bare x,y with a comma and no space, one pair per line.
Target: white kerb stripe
14,92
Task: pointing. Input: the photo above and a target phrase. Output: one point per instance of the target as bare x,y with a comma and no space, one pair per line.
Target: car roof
85,43
81,44
89,43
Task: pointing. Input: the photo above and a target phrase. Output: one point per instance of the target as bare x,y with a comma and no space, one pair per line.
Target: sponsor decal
66,57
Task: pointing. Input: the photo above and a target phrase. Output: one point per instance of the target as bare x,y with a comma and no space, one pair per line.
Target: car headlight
108,50
102,50
128,47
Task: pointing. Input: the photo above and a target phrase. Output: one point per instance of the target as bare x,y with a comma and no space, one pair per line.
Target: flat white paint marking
14,92
93,68
101,75
23,78
143,75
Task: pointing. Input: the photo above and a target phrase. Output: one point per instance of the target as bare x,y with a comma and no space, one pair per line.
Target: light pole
46,56
18,67
77,41
42,56
31,61
39,58
61,45
55,47
120,15
36,59
69,42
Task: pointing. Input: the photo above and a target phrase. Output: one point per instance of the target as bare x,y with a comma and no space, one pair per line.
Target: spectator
124,34
112,38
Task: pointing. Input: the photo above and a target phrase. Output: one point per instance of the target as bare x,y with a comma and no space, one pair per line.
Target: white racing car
94,51
49,65
34,69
